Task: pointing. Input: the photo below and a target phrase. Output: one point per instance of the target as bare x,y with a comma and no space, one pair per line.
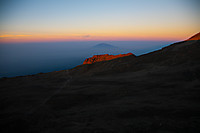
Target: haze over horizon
95,20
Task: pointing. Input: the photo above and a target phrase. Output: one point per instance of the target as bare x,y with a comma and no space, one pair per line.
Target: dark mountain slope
153,93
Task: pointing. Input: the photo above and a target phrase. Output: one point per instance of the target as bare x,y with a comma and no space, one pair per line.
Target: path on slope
55,93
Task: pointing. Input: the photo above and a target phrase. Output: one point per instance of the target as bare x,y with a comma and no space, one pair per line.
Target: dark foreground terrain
154,93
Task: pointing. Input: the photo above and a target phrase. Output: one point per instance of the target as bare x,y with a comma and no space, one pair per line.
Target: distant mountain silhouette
156,92
104,48
104,45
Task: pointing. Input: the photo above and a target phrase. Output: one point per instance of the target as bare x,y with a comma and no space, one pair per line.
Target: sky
94,20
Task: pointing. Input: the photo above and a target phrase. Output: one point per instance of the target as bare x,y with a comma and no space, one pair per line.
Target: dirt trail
66,83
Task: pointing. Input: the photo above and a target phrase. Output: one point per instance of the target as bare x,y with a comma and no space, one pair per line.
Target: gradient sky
85,20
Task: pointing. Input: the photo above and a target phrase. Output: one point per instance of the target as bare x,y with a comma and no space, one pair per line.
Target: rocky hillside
104,57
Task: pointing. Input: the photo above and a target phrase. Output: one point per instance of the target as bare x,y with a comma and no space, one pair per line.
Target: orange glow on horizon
9,38
93,36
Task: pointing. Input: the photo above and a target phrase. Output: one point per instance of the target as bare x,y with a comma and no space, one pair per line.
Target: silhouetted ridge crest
195,37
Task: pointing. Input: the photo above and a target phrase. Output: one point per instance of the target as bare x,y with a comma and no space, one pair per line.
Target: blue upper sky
37,20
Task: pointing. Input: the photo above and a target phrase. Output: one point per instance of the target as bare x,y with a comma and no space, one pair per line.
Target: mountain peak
195,37
104,45
104,57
